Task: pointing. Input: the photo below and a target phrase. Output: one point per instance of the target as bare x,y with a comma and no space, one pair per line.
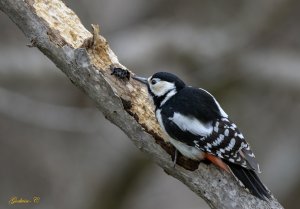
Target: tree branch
87,60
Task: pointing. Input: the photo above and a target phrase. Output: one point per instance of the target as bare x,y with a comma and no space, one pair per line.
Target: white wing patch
192,125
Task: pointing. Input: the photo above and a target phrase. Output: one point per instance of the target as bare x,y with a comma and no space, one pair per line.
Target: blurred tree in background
54,143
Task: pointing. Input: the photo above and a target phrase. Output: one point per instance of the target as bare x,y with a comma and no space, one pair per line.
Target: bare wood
87,59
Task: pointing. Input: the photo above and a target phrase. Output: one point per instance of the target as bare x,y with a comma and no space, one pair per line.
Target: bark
87,59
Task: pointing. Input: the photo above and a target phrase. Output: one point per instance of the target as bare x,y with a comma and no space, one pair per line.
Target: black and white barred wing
219,137
228,143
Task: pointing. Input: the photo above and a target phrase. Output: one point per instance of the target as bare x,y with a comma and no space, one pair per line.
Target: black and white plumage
199,128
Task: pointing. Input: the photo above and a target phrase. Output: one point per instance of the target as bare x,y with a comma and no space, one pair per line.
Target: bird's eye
153,82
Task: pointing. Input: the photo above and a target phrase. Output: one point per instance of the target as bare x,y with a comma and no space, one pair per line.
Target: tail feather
260,186
250,180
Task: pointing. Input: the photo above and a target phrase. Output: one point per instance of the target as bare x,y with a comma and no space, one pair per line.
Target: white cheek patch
192,125
161,88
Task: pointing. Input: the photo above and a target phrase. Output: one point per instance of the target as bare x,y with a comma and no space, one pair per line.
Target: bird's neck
161,100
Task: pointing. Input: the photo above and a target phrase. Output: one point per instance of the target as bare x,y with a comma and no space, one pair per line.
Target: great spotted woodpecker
200,129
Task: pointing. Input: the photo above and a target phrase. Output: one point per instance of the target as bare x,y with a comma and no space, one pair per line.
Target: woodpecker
199,129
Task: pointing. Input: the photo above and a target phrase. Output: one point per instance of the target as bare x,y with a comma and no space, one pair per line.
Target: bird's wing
196,119
228,143
220,138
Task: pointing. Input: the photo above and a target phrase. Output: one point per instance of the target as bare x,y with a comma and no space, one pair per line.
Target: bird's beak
140,79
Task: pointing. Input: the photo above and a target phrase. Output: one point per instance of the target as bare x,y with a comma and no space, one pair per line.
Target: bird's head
161,84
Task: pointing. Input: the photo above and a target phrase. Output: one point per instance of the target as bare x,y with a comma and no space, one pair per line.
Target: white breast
187,151
159,119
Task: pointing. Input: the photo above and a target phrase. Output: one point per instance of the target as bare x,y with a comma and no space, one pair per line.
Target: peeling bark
87,59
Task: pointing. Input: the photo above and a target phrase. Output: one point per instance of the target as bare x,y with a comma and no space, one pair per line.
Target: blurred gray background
54,144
